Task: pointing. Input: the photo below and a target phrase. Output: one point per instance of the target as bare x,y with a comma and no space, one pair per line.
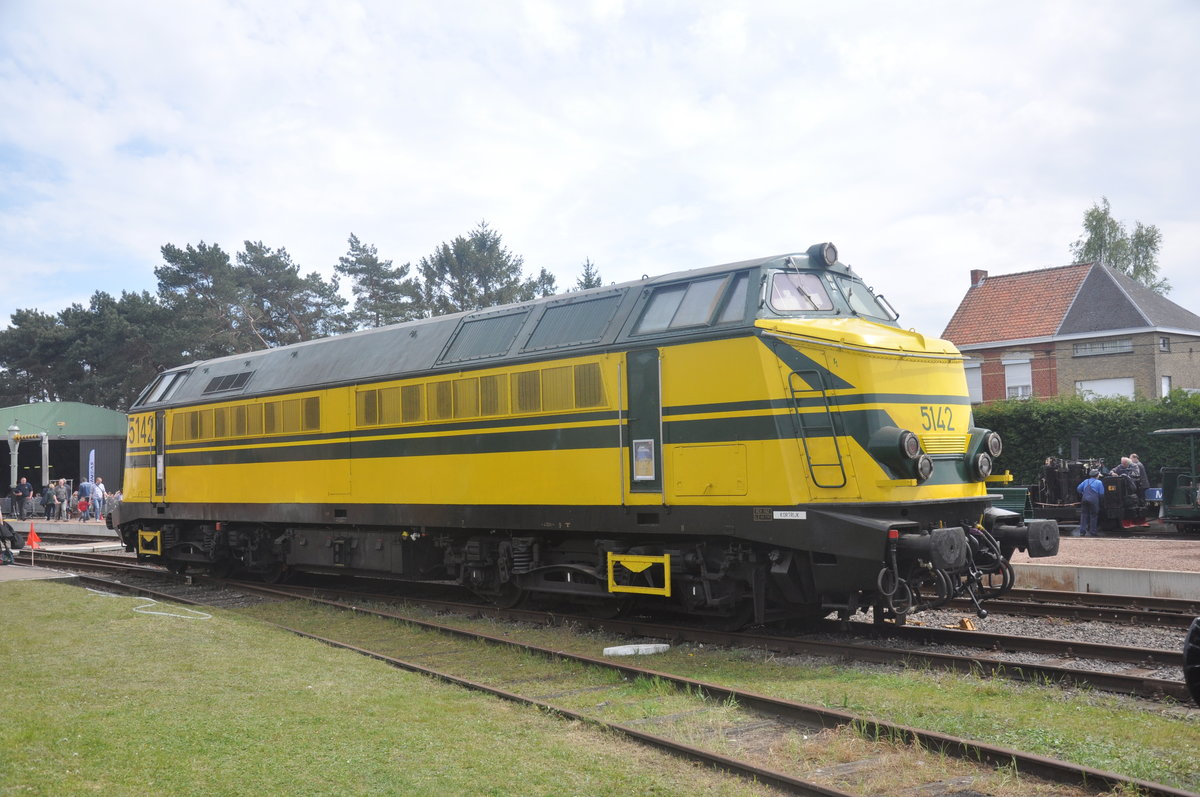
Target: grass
102,699
1159,742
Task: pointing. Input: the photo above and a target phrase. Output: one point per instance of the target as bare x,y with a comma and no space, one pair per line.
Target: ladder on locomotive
805,386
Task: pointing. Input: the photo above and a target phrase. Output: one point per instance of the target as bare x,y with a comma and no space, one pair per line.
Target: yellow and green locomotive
750,441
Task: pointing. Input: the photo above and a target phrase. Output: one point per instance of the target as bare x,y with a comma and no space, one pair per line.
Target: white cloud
924,139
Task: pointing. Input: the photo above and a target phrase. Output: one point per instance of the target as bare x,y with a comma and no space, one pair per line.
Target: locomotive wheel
222,569
510,596
176,567
276,573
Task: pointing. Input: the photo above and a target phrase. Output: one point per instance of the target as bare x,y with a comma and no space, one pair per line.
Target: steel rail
1056,770
987,663
779,780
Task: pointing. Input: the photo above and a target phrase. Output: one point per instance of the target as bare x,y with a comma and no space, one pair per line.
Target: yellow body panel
753,386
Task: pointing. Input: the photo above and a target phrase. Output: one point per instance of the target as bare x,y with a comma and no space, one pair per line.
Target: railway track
754,714
1128,609
1153,673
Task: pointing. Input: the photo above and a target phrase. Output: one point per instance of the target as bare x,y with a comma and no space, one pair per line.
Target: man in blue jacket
1090,490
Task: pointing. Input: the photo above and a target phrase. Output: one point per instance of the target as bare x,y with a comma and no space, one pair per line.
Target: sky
924,139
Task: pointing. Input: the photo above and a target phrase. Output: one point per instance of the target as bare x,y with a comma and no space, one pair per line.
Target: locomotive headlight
822,254
993,444
924,468
897,449
983,466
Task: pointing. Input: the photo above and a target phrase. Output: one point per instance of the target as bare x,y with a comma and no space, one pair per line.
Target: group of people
1091,490
60,501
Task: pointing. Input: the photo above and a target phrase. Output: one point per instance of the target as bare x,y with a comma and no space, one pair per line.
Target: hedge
1107,429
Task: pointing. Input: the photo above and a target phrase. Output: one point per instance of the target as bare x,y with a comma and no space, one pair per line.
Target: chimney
978,275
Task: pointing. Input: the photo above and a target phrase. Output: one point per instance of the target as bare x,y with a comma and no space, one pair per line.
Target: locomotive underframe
735,563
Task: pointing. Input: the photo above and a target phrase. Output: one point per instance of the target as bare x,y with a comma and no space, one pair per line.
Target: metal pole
45,459
14,440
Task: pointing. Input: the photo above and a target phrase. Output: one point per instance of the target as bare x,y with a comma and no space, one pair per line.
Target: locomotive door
160,455
643,442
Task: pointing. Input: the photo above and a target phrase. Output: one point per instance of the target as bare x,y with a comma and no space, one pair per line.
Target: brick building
1080,329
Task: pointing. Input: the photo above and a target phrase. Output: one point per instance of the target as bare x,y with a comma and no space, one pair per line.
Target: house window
1100,388
1111,346
1166,386
1018,379
1164,344
974,381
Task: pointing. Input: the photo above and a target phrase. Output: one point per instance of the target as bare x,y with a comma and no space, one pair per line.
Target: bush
1106,428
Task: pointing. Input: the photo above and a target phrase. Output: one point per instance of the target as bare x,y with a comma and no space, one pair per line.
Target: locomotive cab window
861,300
798,292
719,300
163,388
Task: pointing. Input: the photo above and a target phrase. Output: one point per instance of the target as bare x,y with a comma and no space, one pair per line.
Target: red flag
33,539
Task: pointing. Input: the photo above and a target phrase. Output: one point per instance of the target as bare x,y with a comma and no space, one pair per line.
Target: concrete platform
27,573
1110,580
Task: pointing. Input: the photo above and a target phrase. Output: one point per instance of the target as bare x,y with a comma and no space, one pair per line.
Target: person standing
23,498
1143,476
99,494
62,497
49,502
1090,490
85,499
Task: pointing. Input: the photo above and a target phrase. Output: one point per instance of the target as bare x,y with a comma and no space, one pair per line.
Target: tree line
209,304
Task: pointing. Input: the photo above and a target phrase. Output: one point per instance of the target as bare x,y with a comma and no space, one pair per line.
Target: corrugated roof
1029,304
78,420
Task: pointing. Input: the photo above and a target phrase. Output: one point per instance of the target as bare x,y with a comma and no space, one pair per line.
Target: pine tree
383,294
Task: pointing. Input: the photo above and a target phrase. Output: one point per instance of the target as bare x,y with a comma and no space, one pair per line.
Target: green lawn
103,699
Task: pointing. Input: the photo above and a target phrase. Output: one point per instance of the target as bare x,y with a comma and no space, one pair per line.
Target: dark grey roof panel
1101,305
1161,311
1110,300
484,336
574,322
588,320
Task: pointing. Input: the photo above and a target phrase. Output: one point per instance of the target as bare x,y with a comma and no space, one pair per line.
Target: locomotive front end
889,454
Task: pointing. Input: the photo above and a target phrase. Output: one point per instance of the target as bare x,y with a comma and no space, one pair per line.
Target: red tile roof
1030,304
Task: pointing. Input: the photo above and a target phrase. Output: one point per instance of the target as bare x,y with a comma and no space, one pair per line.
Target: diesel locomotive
747,442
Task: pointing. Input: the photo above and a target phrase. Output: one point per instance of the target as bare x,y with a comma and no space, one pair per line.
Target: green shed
77,437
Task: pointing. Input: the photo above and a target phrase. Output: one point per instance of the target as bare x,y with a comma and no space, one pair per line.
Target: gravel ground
1049,628
1124,552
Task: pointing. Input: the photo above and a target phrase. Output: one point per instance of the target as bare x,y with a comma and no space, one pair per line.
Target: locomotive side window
683,306
660,309
735,301
699,303
798,292
163,388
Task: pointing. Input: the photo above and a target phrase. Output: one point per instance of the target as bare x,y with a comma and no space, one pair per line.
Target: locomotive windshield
793,292
863,301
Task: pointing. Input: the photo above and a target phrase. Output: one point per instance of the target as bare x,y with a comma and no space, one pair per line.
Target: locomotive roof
562,325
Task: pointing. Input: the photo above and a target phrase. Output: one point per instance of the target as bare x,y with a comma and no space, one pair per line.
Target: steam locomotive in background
1123,505
746,442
